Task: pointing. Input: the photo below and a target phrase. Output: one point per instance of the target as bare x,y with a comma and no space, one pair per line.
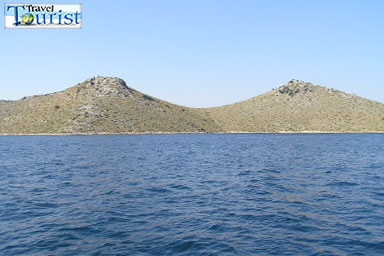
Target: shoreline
170,133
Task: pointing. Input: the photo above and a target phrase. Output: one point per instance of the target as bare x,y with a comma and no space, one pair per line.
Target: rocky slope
300,106
107,105
99,105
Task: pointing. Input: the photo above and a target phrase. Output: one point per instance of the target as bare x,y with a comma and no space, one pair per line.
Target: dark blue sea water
202,194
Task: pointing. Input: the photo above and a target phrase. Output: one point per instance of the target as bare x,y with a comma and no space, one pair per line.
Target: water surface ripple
234,194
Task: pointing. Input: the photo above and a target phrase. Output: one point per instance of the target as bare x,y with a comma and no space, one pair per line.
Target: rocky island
105,105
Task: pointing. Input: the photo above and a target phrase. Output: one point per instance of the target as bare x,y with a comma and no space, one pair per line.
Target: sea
192,194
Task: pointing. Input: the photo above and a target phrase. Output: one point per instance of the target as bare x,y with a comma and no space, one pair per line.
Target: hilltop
107,105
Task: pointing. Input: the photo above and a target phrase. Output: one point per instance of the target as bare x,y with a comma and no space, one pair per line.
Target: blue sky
203,52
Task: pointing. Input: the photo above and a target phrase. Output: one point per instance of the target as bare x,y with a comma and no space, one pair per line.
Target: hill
299,106
107,105
99,105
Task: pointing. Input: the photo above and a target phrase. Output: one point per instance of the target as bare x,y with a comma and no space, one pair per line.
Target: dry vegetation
299,106
99,105
107,105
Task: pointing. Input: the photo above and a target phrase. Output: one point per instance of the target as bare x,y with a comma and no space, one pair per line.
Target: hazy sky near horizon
202,53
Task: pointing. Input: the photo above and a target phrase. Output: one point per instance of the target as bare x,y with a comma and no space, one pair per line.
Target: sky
202,53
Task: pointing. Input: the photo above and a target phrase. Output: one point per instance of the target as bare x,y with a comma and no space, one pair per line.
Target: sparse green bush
57,107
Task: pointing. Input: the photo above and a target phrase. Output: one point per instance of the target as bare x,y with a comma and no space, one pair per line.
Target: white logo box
36,16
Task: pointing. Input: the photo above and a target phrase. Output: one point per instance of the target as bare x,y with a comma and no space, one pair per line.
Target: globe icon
27,18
